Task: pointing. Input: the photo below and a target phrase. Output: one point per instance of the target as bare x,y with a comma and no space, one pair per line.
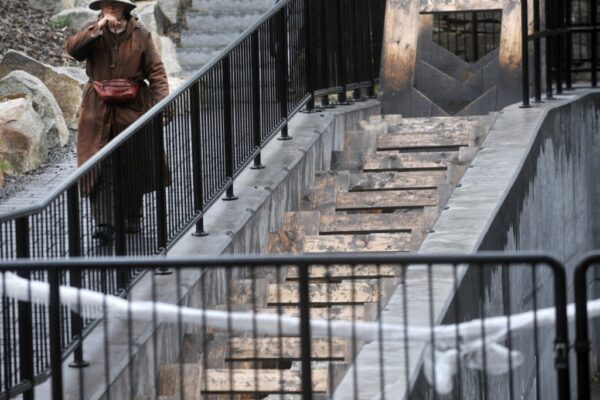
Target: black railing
155,180
570,36
266,352
586,332
469,35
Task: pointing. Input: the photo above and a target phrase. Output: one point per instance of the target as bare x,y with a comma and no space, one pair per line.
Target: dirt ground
29,31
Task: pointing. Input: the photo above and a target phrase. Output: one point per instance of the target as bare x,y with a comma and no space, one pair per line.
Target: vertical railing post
308,62
159,176
54,333
594,42
356,33
558,42
549,15
256,100
305,341
75,275
582,341
196,139
537,54
568,40
341,59
119,215
370,50
228,128
475,33
525,54
282,58
325,70
26,368
561,343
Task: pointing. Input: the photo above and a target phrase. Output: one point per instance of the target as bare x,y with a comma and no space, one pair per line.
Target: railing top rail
149,115
585,261
261,260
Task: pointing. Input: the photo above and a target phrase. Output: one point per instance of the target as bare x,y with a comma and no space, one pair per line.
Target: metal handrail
133,128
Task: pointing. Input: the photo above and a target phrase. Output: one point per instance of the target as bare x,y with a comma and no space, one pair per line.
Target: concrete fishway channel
384,191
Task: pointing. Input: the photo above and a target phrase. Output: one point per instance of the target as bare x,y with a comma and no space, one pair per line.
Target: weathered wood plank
386,161
344,271
372,223
396,180
401,241
323,293
348,313
285,348
303,222
260,381
390,199
420,140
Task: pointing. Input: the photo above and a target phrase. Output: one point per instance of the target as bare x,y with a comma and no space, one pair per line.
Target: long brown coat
130,55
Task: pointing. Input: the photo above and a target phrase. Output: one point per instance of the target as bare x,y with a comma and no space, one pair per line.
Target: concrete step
346,293
303,222
399,242
423,140
396,180
337,312
386,200
251,381
406,221
169,380
322,200
425,161
340,272
284,349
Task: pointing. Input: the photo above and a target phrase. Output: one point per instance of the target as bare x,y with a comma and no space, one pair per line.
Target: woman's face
113,8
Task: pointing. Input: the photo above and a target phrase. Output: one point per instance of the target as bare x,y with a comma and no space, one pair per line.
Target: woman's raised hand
111,20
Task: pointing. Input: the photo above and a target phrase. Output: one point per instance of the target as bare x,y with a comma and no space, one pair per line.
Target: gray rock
170,9
75,18
152,16
52,5
66,89
22,142
21,84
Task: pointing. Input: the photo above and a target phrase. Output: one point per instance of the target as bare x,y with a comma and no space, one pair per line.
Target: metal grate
469,35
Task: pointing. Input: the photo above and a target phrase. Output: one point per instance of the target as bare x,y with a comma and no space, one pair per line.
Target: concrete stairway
384,193
212,25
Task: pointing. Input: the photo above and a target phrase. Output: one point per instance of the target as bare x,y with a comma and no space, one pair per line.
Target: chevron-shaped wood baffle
383,193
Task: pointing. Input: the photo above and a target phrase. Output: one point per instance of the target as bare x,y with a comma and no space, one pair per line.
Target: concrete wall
550,206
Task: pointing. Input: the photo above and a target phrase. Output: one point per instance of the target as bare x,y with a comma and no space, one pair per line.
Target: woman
117,47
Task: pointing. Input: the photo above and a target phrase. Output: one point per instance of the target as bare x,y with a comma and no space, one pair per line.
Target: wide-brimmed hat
97,4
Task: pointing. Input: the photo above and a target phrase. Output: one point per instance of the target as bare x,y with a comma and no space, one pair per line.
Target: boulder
22,143
168,54
74,18
152,16
21,84
170,9
66,89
